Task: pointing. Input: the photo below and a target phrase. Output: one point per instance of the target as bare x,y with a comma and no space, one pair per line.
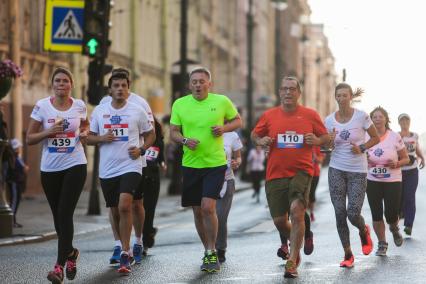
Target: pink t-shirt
381,154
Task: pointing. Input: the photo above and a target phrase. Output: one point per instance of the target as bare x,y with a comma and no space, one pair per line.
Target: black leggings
388,193
63,190
151,186
256,178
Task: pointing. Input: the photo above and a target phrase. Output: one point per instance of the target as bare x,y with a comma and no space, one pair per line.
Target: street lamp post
280,6
249,94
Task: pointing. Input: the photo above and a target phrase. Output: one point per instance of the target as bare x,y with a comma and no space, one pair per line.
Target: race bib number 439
120,131
290,139
61,143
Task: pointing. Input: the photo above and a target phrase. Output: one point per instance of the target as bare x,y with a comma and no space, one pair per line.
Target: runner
347,173
410,173
317,158
151,185
256,164
138,207
384,179
117,127
287,133
233,146
59,122
197,123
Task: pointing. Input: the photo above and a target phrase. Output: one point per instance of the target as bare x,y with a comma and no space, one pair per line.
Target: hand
57,127
108,137
192,143
422,163
355,149
393,164
163,166
217,130
311,139
332,136
134,152
235,164
83,136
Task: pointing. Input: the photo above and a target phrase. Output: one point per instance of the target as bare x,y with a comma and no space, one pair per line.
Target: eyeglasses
288,89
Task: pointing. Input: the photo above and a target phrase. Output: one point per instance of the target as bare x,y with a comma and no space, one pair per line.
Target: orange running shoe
348,261
366,242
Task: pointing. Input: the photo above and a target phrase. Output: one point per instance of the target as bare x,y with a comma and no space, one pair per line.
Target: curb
52,235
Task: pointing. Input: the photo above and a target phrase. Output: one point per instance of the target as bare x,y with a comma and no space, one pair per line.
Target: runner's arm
35,135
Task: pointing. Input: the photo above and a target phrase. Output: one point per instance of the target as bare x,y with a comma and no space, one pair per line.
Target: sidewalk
35,216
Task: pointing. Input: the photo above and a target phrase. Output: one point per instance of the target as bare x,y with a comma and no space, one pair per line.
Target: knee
137,206
208,209
125,209
353,218
297,212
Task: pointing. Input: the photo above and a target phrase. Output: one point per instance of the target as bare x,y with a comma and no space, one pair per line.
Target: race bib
380,171
151,153
61,143
120,131
290,139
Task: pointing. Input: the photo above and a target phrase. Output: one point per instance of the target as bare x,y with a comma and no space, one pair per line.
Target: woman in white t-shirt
59,122
347,174
232,145
385,160
410,172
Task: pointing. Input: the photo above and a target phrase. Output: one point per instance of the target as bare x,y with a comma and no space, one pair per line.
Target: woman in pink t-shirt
384,179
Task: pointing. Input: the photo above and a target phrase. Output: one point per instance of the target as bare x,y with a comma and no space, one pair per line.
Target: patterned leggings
353,185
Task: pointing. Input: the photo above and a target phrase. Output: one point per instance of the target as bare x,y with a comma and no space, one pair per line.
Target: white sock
117,243
138,240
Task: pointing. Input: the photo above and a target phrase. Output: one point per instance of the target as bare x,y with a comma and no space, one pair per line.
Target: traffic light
95,28
96,90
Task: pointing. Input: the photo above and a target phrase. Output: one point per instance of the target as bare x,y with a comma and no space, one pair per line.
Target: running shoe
137,253
283,252
348,261
382,248
221,255
397,238
56,276
205,264
408,230
312,217
124,264
145,251
308,247
366,242
71,265
291,269
115,258
214,265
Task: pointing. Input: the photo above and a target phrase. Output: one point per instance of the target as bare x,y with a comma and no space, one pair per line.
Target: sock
307,225
138,240
209,251
117,243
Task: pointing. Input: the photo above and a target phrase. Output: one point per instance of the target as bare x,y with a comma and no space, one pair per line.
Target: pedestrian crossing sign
63,27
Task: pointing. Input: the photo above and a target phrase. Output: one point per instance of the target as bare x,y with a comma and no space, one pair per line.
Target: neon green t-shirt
196,119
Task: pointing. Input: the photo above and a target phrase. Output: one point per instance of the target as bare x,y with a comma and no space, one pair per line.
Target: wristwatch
184,140
142,151
362,148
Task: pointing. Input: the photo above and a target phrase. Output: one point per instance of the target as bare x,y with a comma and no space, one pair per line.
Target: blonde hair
358,91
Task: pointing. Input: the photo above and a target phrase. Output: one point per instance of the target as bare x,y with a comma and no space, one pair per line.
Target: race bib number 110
290,139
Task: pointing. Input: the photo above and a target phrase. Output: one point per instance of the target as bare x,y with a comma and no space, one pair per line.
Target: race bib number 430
290,139
380,172
61,143
120,131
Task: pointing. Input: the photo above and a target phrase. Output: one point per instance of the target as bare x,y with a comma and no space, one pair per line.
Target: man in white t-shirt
117,127
138,208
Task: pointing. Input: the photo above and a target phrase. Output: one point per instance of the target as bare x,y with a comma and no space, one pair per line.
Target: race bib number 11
120,131
290,139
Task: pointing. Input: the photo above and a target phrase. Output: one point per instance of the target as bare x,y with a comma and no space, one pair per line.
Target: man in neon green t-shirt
197,122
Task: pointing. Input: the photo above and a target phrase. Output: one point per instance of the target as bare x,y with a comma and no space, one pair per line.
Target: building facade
145,36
